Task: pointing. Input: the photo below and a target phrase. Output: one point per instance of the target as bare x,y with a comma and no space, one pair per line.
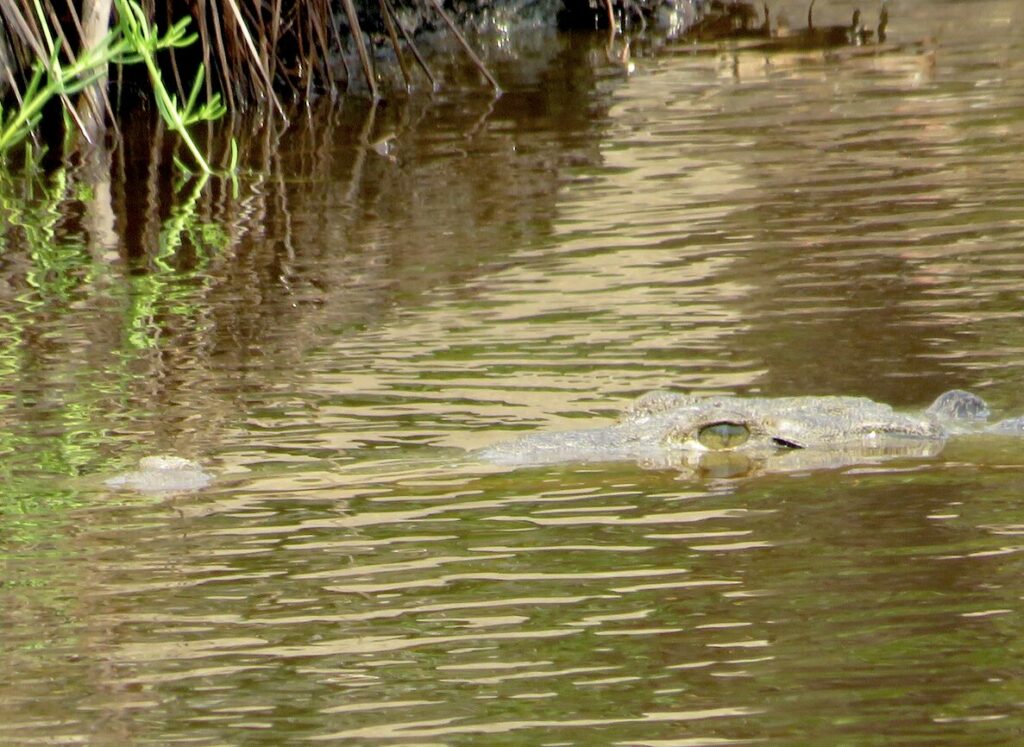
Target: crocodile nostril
785,443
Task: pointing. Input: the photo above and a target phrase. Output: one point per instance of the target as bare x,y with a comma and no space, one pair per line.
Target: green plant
145,44
132,40
51,79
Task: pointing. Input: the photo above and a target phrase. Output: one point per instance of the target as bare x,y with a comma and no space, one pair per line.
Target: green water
332,339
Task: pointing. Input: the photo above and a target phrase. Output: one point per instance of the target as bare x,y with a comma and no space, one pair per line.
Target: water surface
331,341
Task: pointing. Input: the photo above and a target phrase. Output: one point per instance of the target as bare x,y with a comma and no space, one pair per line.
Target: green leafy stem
132,40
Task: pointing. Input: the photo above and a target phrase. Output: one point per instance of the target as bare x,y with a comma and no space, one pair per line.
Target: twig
268,83
229,90
465,45
321,38
390,24
95,26
412,47
364,56
611,16
275,28
341,49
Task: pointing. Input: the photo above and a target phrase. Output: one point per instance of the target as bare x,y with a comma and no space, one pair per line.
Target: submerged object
732,436
162,474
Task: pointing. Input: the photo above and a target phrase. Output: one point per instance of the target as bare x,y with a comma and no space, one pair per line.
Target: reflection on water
331,340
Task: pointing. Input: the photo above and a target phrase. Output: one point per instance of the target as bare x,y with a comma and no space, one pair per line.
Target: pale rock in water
162,474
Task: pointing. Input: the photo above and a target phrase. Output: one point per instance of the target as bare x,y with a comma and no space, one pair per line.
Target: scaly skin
663,429
720,436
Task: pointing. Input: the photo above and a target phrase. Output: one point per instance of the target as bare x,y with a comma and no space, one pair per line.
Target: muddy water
389,289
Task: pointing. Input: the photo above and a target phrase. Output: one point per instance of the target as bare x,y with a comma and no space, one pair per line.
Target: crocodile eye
724,435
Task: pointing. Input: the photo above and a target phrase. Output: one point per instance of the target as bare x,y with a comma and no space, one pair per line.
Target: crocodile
721,436
733,436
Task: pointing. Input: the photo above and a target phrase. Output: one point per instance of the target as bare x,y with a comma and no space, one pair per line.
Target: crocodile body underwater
732,436
717,436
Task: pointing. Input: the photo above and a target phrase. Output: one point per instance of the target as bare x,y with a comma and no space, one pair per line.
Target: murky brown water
330,340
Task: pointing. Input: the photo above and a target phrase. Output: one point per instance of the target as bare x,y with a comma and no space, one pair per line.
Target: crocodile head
736,435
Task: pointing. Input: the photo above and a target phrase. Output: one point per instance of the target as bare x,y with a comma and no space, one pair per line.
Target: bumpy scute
655,403
783,434
957,404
